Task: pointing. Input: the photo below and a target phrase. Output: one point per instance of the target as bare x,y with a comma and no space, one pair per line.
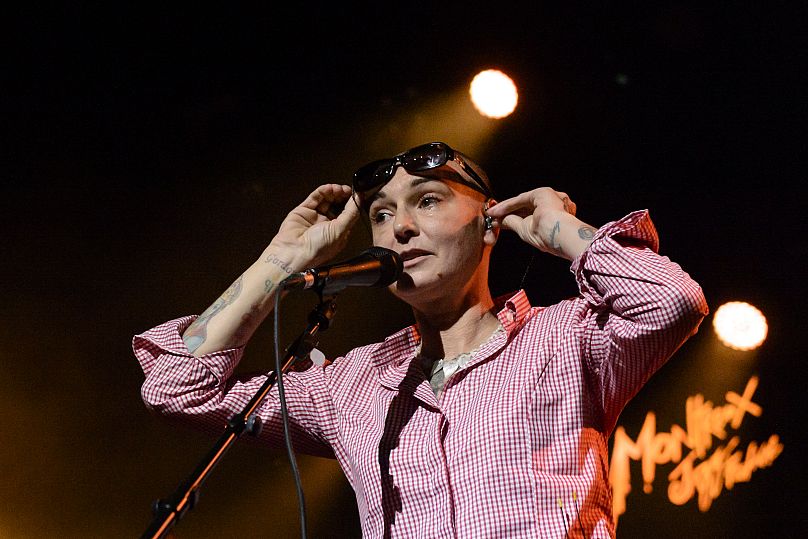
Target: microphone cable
290,450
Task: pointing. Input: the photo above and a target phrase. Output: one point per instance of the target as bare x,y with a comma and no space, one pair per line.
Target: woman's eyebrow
415,182
442,176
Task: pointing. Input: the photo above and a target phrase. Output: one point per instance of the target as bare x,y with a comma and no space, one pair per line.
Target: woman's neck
453,328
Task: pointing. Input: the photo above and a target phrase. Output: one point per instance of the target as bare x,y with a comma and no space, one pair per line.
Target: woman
485,418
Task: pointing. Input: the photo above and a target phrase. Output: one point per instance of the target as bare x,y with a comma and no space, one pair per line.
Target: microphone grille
391,264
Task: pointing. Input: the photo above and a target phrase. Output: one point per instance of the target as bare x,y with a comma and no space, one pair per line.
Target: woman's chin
410,289
404,285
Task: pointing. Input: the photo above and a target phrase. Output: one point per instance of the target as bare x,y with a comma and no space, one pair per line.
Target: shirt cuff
635,229
166,340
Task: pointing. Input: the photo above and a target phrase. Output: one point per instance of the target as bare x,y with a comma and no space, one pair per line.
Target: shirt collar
393,356
513,309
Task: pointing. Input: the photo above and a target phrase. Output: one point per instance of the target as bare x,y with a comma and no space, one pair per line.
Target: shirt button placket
443,429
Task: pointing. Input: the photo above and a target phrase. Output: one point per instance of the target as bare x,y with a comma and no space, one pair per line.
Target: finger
569,205
333,200
340,226
341,202
349,215
315,197
511,222
320,198
521,204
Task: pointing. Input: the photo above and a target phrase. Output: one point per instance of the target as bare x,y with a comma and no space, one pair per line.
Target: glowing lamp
493,93
740,326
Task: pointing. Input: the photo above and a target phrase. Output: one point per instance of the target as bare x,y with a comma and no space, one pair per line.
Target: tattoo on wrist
272,259
232,292
554,243
197,332
586,232
268,286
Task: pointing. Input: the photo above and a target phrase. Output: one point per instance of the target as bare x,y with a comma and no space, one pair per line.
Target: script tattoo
268,286
586,232
272,259
197,332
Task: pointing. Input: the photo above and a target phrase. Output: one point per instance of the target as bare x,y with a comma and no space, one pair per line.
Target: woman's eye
380,217
428,201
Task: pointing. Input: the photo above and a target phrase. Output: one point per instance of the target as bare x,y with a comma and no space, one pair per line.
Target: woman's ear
490,234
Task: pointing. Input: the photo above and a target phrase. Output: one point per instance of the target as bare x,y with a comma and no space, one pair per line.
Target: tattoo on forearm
232,292
554,243
272,259
268,286
586,232
197,332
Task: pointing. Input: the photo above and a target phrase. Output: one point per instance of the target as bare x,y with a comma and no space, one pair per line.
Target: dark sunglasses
419,159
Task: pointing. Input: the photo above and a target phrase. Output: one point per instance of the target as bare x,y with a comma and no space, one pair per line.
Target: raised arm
311,234
641,306
190,362
544,218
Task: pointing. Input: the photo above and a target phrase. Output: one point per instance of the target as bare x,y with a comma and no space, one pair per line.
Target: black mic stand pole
168,512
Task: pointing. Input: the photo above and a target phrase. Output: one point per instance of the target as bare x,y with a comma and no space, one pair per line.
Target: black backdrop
151,153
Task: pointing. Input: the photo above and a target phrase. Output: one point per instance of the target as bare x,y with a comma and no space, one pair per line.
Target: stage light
493,93
740,326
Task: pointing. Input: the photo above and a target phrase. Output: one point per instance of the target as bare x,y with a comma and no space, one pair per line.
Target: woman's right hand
315,231
312,233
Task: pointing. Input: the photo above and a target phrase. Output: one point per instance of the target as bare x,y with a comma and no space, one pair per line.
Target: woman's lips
413,261
412,258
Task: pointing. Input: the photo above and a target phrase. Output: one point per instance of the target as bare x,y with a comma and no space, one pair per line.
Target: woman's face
436,225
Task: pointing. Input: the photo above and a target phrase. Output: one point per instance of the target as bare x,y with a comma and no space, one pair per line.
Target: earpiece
487,219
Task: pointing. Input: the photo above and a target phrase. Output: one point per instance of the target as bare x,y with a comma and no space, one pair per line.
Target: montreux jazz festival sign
702,470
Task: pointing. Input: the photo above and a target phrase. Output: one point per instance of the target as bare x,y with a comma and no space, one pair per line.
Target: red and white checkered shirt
524,426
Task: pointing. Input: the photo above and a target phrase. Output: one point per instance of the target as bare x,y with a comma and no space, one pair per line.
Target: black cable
527,269
290,451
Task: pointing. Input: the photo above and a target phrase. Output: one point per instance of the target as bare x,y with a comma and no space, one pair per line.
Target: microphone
376,266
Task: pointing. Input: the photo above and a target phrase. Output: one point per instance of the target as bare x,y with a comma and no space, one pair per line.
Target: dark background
150,154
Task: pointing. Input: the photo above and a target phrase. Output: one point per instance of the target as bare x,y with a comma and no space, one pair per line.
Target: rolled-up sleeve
203,392
642,308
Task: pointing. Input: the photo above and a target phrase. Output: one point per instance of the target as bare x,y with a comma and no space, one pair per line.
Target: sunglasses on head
419,159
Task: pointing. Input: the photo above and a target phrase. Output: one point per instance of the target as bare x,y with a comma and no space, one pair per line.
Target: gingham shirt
524,425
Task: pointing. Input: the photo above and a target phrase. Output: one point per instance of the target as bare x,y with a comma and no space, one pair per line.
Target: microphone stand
168,512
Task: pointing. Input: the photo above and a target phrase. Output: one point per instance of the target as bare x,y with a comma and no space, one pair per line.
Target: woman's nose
404,226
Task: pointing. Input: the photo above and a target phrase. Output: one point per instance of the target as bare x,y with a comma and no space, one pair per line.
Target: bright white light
493,93
739,325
